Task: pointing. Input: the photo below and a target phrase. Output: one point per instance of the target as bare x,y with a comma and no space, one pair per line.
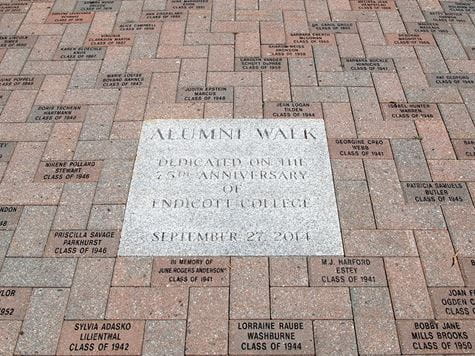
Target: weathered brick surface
425,120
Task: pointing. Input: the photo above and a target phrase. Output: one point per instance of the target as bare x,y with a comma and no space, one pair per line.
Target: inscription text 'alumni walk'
232,187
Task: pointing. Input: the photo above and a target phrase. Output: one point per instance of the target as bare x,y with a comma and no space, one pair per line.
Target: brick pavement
393,80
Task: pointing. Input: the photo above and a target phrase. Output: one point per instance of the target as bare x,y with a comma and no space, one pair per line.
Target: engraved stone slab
9,216
70,17
14,41
410,39
347,271
110,39
429,27
358,148
189,4
438,16
23,82
458,6
97,5
14,7
101,337
58,113
79,53
465,149
436,337
271,337
467,265
231,188
205,95
68,171
123,80
6,150
292,109
436,193
373,5
312,38
163,15
138,27
82,243
4,95
453,302
280,50
191,271
452,79
244,64
410,111
13,303
470,52
369,64
333,27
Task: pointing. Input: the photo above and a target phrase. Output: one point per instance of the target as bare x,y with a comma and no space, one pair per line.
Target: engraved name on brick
79,53
9,216
452,79
163,15
205,95
58,113
138,27
243,64
14,7
292,50
369,64
292,109
97,5
347,271
189,4
438,16
410,39
82,243
436,193
312,38
17,41
429,27
374,5
271,337
69,17
6,150
465,148
191,271
68,171
13,302
123,80
12,82
453,302
333,27
110,39
410,111
358,148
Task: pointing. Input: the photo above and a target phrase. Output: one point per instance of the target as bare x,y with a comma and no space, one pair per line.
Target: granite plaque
292,109
221,187
69,17
21,82
14,41
163,15
373,5
101,337
123,80
347,271
79,53
6,150
252,64
9,216
110,39
14,302
68,171
14,7
436,193
271,337
333,27
97,5
369,64
429,27
451,79
312,38
453,302
191,271
458,6
437,16
293,50
467,266
82,243
465,149
4,95
205,95
410,39
358,148
189,4
410,111
138,27
419,337
470,52
58,113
